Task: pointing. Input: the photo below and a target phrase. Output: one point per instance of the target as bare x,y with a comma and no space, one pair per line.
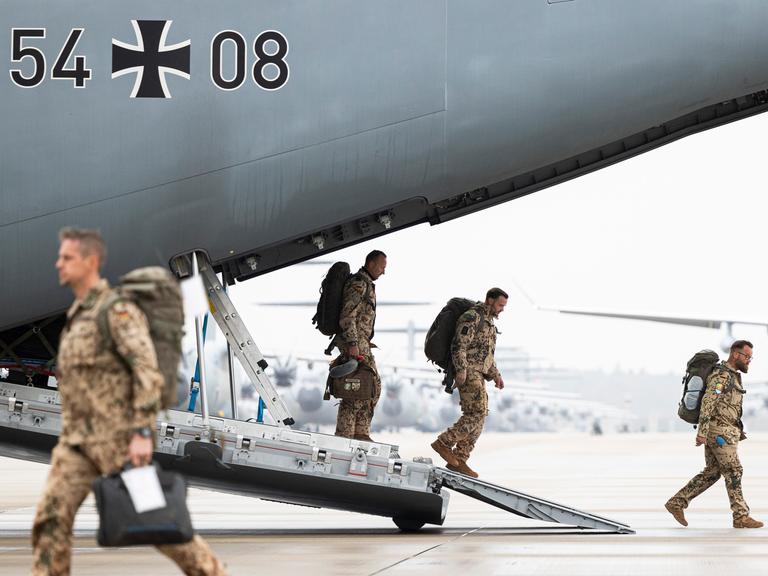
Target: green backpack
156,292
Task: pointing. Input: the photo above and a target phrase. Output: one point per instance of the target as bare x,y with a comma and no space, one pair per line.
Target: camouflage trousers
720,461
474,409
354,416
68,484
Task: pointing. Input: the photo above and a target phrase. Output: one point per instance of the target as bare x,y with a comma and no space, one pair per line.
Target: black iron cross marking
151,59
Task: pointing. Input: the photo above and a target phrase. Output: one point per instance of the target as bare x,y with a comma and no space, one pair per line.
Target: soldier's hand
140,450
700,440
742,436
499,382
354,351
460,378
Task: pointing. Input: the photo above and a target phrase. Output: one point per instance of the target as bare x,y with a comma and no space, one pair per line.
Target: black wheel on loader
407,524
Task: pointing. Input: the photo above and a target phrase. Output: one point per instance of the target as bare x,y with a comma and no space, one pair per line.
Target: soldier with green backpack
717,407
114,348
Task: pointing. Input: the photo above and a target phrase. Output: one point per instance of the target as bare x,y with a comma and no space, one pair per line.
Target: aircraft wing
313,304
680,320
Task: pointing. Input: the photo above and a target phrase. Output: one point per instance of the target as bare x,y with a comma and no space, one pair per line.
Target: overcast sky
677,231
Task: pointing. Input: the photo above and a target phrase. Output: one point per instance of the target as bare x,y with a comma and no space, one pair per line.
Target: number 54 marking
79,74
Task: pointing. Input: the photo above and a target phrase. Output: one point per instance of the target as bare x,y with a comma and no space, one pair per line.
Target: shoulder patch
470,315
123,311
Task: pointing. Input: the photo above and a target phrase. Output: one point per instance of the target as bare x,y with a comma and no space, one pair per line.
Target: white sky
677,231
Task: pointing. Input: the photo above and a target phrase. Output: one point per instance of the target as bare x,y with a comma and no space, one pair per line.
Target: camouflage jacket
105,395
358,312
474,342
721,406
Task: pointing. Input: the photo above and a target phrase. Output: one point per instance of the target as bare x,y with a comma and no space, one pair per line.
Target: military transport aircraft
261,134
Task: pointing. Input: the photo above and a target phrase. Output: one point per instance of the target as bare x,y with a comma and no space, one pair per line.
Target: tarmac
623,477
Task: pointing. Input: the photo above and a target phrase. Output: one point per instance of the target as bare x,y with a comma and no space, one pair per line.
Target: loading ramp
525,505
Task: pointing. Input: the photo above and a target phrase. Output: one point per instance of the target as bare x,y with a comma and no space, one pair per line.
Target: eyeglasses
748,358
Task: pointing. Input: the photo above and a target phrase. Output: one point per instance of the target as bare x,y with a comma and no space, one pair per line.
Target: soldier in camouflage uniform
356,320
472,350
108,410
720,431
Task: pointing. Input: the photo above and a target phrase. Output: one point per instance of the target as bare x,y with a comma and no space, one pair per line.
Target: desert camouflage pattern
356,320
720,415
719,461
462,436
721,407
354,416
474,342
68,484
103,398
358,312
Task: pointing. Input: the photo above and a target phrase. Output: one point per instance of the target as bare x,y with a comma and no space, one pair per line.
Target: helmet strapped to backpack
699,368
156,292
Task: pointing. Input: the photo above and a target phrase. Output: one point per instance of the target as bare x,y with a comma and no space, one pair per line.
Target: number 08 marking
276,59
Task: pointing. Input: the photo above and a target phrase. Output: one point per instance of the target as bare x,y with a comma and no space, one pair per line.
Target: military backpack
326,318
437,344
698,369
156,292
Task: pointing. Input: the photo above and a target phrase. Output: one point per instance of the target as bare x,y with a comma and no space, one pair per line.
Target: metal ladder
242,344
527,506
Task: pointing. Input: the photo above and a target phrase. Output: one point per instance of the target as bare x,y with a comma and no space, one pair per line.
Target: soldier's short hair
374,255
739,345
494,293
91,242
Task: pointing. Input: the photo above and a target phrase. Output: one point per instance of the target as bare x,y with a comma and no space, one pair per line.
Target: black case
120,525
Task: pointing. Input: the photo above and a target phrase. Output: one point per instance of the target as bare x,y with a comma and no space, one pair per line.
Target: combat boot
463,468
445,453
677,513
363,437
746,522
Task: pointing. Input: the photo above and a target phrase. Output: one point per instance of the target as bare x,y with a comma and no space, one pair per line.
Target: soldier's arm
465,332
354,292
716,384
130,332
494,373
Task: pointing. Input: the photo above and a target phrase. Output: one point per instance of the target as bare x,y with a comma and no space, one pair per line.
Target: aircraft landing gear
407,525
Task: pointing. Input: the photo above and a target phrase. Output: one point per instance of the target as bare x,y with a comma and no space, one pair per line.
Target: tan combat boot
363,437
746,522
445,453
677,513
463,468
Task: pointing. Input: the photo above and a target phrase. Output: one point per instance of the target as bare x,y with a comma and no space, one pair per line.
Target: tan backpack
156,292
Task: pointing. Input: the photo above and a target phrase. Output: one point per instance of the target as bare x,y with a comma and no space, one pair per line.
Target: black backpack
326,318
699,368
437,344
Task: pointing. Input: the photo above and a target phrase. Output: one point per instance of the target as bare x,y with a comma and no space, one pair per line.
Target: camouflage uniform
102,403
720,416
358,315
473,347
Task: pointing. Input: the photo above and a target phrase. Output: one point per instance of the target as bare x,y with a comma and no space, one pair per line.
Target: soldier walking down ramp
472,350
720,431
357,319
109,402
